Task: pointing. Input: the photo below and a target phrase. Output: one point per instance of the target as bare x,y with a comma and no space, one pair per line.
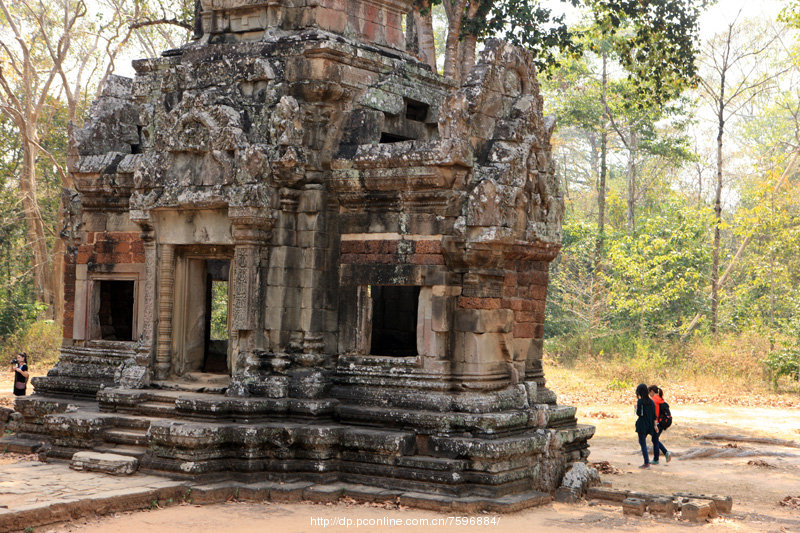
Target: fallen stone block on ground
723,504
607,494
633,506
697,510
109,463
578,479
662,505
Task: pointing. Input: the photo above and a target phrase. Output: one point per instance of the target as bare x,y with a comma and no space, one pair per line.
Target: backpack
664,416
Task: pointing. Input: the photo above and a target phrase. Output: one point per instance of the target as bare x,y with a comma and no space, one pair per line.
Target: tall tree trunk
42,273
699,187
717,214
454,9
467,49
631,181
771,269
426,44
601,185
467,52
601,195
599,250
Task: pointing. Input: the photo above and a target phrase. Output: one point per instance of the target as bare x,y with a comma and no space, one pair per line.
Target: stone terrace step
140,491
205,406
155,408
19,445
137,437
132,422
121,449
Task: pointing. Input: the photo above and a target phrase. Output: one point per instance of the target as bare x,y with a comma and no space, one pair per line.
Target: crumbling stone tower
382,235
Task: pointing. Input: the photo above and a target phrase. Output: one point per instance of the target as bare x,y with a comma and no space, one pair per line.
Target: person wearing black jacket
646,423
20,368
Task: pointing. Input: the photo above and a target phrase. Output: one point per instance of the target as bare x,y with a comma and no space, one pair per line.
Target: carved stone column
146,345
166,299
311,225
251,231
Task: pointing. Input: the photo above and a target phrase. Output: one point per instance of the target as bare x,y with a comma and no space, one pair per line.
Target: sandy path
756,490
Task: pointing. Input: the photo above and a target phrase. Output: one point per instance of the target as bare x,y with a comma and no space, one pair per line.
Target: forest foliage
676,160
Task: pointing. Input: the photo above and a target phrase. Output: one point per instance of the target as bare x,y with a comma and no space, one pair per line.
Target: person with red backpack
663,419
646,423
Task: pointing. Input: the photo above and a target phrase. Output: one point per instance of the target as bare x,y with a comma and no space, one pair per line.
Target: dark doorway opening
115,310
216,327
394,320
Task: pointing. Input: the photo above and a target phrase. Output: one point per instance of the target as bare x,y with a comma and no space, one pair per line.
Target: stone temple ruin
297,253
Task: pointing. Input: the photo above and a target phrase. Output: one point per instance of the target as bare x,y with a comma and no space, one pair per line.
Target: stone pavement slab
34,494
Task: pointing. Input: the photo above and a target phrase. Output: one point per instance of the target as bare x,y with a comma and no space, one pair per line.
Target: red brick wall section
391,252
524,285
109,248
525,291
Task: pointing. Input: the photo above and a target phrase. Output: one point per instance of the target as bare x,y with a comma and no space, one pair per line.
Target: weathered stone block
323,493
661,505
697,510
288,492
109,463
607,493
633,506
723,504
578,479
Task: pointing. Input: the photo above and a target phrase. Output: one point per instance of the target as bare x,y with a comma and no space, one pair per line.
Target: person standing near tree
20,367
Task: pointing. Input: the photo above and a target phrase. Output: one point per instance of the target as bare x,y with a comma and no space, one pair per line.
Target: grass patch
733,365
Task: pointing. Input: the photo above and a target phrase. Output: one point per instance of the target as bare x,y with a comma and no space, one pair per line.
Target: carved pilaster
251,232
245,286
166,297
311,224
146,344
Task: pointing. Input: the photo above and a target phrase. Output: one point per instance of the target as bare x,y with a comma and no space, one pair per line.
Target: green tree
656,276
50,49
732,75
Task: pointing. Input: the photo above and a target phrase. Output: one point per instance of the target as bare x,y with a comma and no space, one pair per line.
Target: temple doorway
201,314
216,327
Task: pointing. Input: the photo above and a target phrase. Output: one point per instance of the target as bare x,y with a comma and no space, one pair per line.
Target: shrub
40,340
783,363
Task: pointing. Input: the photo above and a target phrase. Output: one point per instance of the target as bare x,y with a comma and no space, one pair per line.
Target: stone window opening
115,305
394,320
388,138
137,148
411,124
416,111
